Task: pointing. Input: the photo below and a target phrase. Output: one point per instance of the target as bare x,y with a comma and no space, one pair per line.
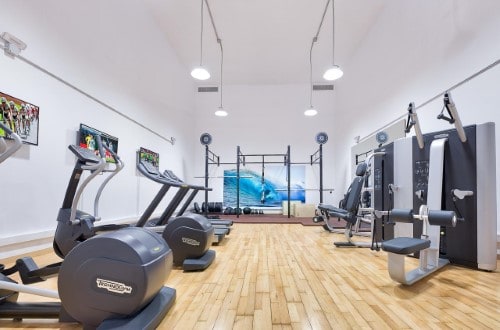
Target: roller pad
402,215
442,218
405,245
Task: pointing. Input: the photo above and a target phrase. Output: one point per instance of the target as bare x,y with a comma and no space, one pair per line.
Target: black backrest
361,169
352,198
353,195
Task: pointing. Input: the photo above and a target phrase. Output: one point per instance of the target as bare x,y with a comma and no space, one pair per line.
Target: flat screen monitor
149,156
22,118
87,139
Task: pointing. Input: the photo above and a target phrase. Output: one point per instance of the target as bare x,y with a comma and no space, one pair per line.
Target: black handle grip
5,128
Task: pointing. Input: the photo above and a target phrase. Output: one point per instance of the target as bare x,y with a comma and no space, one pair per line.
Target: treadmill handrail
158,177
169,175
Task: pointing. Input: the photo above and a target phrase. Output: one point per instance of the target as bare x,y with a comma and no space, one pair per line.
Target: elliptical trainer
111,281
75,226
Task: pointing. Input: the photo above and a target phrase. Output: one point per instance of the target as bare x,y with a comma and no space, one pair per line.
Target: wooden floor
287,276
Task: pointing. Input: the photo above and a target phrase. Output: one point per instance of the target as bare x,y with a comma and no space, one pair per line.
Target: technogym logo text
190,241
113,286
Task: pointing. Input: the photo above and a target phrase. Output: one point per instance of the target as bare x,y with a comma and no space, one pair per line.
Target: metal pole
206,180
237,181
321,173
288,175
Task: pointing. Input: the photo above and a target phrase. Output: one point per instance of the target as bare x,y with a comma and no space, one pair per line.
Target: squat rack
213,159
241,159
317,158
210,158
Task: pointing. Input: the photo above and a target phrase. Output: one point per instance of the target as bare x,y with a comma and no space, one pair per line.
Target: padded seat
333,211
405,245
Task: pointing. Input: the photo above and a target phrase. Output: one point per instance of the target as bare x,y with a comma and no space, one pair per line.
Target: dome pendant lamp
200,72
311,112
334,72
221,112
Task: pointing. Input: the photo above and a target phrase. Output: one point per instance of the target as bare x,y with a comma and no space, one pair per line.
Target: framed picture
87,139
22,117
149,156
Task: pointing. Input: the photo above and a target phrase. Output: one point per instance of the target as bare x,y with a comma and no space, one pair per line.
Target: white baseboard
21,245
498,246
25,244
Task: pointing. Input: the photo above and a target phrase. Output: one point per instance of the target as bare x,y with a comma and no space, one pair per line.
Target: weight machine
437,177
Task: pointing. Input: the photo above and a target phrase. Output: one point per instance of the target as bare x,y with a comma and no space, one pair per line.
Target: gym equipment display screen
21,116
87,139
149,156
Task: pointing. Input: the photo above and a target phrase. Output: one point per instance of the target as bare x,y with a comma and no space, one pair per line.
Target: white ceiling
265,41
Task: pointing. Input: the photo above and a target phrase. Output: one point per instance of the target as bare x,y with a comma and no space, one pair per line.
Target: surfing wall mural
266,188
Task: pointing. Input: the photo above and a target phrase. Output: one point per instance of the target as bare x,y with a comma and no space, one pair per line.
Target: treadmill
217,223
151,172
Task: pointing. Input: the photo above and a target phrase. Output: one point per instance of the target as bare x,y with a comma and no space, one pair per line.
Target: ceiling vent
208,89
322,87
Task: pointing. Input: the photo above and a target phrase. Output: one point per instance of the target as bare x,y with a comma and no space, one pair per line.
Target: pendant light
220,112
334,72
200,72
310,112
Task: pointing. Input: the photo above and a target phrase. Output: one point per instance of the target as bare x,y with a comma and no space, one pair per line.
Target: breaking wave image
255,192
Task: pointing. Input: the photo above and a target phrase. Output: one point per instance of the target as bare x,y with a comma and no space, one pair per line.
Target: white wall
417,50
266,119
115,53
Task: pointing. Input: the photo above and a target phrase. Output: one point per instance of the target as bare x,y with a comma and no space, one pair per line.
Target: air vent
208,89
322,87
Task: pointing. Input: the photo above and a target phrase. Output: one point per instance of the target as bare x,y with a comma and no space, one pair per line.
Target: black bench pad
333,211
405,245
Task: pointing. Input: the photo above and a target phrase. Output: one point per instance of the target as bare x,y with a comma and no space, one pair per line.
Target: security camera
13,45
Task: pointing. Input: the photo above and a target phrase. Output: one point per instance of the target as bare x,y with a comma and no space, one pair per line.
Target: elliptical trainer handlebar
9,150
118,167
96,166
100,147
113,154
